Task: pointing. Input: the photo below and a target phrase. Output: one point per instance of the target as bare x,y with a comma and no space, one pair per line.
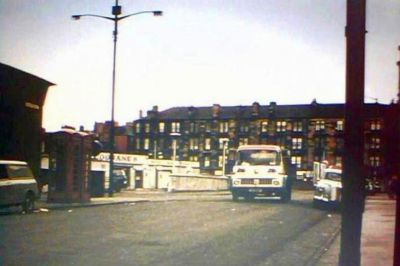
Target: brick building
312,132
123,136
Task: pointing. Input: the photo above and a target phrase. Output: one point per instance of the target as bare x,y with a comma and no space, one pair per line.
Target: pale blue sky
199,53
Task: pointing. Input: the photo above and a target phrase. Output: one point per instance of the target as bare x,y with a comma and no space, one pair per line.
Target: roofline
29,74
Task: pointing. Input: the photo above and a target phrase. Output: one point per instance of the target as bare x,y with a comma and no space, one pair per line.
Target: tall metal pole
174,156
223,157
116,10
353,167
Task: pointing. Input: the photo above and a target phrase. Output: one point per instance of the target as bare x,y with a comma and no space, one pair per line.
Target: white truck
261,171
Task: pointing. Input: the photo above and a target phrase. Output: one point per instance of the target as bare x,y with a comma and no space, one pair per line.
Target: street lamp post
116,11
174,141
224,142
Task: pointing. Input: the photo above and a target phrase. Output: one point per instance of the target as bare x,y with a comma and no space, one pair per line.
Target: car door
6,195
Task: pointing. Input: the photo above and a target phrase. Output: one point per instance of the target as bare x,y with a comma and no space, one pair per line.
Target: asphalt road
203,231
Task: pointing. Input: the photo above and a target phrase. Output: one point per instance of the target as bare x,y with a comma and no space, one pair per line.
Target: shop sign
122,158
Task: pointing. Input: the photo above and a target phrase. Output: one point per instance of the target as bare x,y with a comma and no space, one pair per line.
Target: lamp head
157,13
76,17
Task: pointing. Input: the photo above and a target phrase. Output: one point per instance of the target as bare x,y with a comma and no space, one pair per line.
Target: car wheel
29,203
317,204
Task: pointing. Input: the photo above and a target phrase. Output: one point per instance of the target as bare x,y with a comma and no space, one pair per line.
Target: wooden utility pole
353,163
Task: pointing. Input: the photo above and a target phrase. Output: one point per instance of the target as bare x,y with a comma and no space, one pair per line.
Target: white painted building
141,171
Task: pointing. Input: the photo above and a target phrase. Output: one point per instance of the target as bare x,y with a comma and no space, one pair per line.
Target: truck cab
260,171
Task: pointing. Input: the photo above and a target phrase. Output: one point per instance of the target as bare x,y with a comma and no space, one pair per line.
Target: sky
199,53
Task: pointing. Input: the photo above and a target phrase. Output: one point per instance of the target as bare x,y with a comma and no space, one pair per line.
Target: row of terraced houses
311,132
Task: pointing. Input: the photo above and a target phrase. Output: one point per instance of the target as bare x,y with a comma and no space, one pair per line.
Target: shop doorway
138,179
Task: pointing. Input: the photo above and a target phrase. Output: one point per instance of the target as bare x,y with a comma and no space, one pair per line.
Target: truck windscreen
258,157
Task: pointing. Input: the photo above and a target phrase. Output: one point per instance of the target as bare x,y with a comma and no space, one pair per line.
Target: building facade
22,96
123,136
311,132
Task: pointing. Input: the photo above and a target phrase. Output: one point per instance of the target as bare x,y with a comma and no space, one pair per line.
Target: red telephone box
69,166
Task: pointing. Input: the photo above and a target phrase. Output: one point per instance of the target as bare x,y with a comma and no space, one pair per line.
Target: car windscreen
258,157
333,176
15,171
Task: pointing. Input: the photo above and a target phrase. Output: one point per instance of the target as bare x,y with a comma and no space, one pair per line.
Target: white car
17,185
328,190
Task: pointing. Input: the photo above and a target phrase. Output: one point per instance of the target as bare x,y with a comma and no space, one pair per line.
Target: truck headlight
276,182
236,182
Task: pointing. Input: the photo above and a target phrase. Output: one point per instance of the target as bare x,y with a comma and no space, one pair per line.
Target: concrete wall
197,183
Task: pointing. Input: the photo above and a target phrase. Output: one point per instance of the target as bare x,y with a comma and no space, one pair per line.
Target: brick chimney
255,110
216,110
153,113
192,111
271,108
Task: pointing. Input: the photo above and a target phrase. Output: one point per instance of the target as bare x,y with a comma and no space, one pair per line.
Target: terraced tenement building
311,132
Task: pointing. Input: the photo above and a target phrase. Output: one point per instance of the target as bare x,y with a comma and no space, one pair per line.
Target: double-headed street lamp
116,11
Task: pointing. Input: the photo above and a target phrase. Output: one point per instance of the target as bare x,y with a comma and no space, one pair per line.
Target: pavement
377,235
377,238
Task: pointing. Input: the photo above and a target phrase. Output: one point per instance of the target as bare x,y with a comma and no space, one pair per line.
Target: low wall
197,183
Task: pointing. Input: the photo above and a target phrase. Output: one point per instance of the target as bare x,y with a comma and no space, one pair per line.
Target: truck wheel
29,203
235,196
285,196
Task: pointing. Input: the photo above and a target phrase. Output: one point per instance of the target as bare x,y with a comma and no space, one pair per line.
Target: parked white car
17,185
328,190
